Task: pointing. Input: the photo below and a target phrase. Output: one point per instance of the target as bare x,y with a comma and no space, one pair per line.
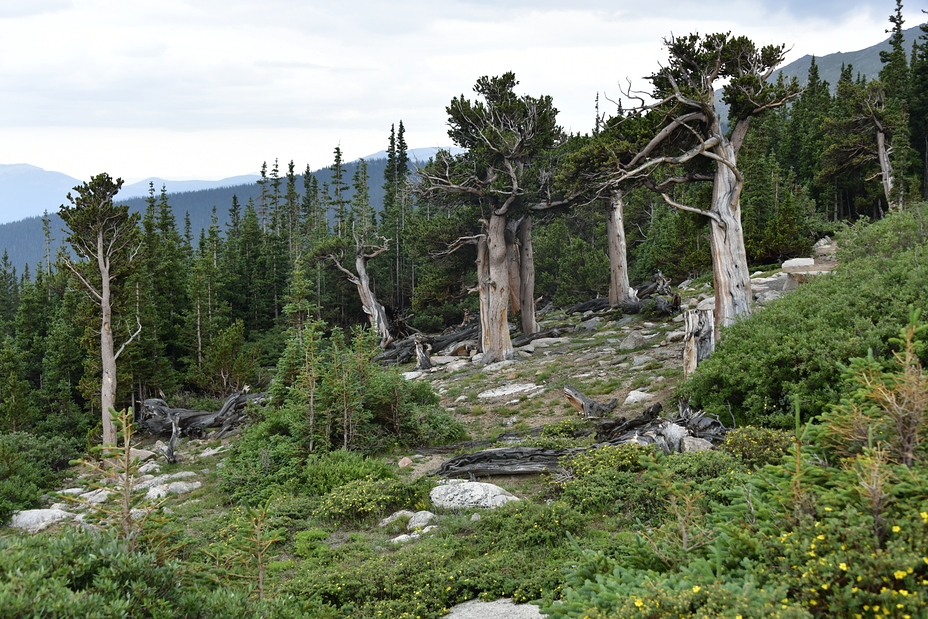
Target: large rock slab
34,520
544,342
420,520
163,479
510,390
470,494
691,443
175,487
798,263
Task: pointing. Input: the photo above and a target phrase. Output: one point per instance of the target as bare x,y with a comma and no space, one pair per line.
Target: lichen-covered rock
403,513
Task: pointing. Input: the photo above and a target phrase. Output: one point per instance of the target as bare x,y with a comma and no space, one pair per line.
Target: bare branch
131,338
711,215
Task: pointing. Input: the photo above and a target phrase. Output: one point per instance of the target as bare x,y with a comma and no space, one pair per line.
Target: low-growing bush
325,472
365,500
431,426
96,576
521,524
756,447
29,466
608,480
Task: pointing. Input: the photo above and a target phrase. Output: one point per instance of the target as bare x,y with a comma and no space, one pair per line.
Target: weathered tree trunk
107,348
886,171
372,307
698,339
375,311
514,258
494,292
423,348
588,407
729,258
619,290
527,279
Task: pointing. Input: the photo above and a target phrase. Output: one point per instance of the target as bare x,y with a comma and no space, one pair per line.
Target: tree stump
698,340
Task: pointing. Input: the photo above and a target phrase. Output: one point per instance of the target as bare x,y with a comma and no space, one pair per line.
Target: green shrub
521,524
608,480
96,576
29,466
326,472
365,500
567,428
599,588
757,446
431,425
793,346
462,561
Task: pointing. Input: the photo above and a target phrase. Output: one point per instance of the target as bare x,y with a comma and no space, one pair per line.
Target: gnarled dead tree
506,136
363,252
160,419
667,143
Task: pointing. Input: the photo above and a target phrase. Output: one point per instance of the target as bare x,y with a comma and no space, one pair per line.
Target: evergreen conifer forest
815,504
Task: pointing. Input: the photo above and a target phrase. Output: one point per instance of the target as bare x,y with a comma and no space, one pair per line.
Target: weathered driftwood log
593,305
504,461
423,348
168,452
698,339
159,418
647,429
588,407
404,351
608,430
663,306
555,331
659,284
651,428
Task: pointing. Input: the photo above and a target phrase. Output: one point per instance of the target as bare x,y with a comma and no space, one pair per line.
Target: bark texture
494,292
619,290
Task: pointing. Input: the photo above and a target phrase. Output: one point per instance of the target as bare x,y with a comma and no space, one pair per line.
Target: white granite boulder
34,520
635,396
420,520
469,494
691,443
510,390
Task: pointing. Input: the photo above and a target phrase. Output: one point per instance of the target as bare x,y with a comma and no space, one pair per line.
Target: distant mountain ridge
866,61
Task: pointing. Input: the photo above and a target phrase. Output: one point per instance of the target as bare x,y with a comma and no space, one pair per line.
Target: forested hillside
26,245
298,287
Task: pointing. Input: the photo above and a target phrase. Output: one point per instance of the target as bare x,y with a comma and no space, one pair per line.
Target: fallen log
555,331
593,305
158,418
659,284
588,407
504,461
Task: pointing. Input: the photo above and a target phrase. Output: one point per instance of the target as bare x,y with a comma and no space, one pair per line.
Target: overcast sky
206,89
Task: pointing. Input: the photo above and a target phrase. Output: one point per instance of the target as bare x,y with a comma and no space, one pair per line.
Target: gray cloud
25,8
